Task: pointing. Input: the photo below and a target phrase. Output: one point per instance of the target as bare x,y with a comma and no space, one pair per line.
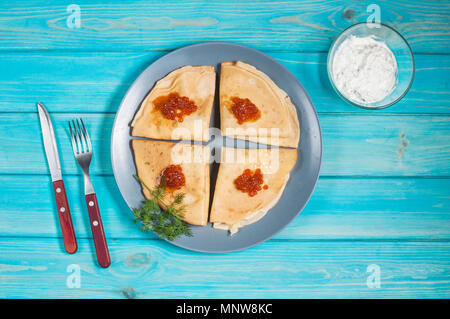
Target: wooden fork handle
70,242
101,247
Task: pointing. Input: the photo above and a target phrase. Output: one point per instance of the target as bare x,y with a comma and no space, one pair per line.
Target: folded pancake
253,107
179,106
185,169
249,183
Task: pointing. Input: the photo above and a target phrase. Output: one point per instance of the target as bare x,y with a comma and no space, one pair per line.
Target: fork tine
82,137
72,138
77,137
86,135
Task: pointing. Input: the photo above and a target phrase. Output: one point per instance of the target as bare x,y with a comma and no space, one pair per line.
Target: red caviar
244,110
174,106
173,177
250,182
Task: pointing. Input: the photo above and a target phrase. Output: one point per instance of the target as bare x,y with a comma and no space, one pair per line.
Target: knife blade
51,152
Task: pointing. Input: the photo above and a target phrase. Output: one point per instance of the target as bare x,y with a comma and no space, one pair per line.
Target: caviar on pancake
173,177
174,106
250,182
244,110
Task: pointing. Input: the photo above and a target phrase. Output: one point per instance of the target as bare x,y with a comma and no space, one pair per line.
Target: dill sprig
164,219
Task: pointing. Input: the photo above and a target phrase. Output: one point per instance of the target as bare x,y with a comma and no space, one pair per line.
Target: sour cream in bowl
370,66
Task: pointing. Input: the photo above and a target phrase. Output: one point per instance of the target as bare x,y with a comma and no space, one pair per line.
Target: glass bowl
399,47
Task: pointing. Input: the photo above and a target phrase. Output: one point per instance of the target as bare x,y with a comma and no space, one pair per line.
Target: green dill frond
178,199
164,223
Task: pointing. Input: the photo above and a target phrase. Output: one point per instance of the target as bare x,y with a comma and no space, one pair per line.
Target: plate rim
298,83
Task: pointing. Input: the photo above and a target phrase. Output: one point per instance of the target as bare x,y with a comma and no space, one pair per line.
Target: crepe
194,82
278,122
232,208
152,157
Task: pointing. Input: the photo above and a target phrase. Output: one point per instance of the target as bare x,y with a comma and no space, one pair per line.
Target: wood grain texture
375,209
149,25
98,82
369,145
152,269
384,193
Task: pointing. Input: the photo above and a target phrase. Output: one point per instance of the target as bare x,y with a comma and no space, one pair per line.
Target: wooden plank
386,145
24,130
287,25
97,82
154,269
369,145
340,208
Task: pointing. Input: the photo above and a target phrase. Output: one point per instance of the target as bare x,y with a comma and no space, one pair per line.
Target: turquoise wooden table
377,225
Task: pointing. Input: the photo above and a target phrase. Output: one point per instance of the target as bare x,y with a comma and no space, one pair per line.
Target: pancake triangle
274,121
153,157
195,85
233,208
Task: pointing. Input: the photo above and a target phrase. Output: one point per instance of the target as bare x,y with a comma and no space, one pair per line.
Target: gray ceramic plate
303,177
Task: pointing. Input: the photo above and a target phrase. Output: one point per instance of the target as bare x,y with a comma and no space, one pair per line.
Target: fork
82,149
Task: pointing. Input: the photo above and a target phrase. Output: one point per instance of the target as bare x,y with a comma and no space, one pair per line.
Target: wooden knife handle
70,242
101,247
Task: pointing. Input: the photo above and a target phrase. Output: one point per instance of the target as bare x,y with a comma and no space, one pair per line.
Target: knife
51,151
